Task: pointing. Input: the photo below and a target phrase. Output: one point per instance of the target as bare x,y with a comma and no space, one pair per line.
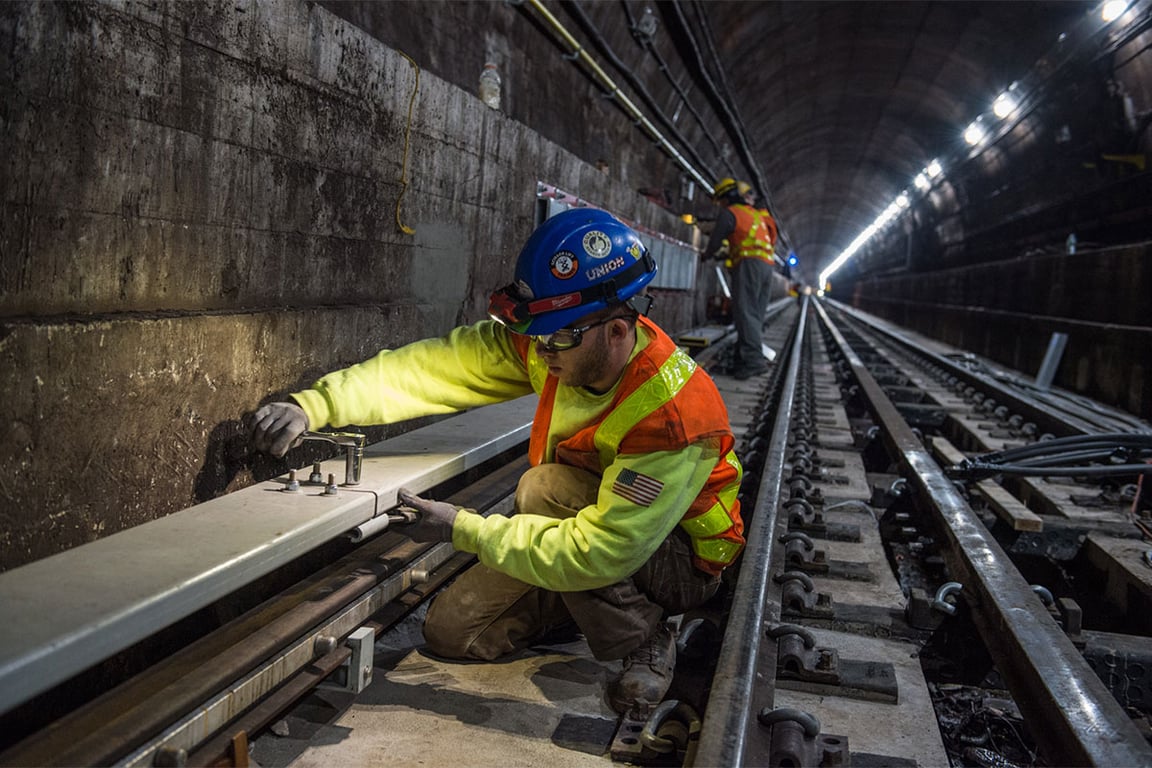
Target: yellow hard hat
727,184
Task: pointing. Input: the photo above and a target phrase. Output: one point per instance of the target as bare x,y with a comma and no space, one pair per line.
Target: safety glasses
570,338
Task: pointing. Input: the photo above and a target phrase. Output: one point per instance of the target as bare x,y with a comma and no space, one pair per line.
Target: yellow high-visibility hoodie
479,365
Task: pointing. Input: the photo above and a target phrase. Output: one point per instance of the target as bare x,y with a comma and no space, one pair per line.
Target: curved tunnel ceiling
845,102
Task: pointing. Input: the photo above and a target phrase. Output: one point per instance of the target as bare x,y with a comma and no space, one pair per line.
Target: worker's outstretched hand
435,518
277,427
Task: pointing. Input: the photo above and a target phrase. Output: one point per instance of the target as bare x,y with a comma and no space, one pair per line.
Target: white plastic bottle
490,86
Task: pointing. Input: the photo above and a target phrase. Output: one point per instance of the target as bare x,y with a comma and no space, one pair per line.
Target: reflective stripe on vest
649,396
757,243
720,551
716,520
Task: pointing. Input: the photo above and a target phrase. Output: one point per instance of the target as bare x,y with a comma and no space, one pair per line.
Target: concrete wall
200,205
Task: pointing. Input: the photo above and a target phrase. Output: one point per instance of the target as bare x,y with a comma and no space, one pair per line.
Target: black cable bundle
1105,455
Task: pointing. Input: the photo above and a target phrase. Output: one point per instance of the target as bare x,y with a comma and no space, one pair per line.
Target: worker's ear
618,329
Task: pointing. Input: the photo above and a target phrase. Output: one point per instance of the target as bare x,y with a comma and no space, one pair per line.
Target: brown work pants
486,614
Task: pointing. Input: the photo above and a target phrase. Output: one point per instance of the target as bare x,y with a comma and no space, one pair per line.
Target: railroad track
898,602
866,424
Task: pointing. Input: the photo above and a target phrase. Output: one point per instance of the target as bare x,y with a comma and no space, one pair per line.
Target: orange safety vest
664,402
754,235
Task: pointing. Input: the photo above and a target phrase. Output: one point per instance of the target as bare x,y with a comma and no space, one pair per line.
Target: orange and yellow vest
754,236
663,402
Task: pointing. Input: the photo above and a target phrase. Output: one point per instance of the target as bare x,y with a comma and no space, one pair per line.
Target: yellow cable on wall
407,133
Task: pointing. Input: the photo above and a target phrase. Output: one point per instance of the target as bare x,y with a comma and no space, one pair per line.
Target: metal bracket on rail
799,597
800,600
355,674
796,739
801,666
804,516
654,734
800,554
945,600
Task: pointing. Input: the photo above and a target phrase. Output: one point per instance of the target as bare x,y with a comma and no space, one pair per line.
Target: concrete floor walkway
542,707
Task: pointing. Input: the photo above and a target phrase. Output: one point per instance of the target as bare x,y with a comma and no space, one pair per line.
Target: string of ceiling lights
980,133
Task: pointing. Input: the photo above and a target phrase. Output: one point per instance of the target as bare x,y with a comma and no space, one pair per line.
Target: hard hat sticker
606,268
634,250
564,264
597,244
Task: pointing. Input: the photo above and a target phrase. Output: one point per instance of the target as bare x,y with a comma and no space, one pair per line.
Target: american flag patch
637,488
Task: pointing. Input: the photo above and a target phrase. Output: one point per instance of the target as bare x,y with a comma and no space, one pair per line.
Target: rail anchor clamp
802,666
801,554
798,596
666,733
796,739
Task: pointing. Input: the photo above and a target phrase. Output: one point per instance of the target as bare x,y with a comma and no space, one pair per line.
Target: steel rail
1074,718
1031,408
744,681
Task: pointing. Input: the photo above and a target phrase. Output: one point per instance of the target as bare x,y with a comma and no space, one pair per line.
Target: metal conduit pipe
726,111
614,91
662,65
590,29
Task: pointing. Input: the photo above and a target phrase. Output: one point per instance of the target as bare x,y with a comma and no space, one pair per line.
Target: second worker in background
746,237
629,512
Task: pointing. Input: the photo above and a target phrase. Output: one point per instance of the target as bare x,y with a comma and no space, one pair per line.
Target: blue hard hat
575,263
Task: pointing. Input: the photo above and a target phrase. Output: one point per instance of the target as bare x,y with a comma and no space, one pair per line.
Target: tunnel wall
201,208
1007,311
981,260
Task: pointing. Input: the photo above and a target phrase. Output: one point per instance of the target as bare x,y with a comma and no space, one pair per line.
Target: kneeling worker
628,513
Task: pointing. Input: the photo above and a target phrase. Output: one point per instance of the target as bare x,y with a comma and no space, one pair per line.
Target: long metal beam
1071,714
730,734
62,614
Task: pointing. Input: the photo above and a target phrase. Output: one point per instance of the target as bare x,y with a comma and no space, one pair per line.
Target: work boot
744,373
647,671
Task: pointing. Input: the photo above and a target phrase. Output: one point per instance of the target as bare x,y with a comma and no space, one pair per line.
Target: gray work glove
277,427
435,518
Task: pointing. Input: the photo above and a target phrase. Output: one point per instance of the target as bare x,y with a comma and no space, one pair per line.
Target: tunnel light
921,182
974,133
888,214
1113,9
1004,105
933,170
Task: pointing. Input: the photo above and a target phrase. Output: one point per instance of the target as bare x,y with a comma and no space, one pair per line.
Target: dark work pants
486,614
751,287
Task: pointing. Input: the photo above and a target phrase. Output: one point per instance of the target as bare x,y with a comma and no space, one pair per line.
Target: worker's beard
591,369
